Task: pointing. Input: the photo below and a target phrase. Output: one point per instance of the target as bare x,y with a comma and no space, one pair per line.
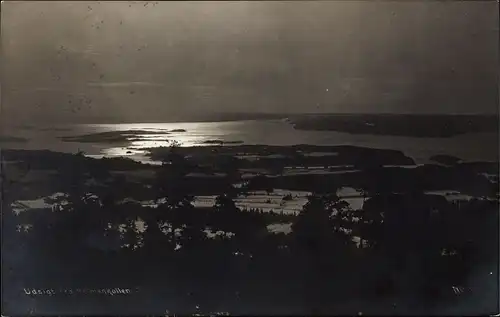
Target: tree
175,212
321,245
322,222
225,213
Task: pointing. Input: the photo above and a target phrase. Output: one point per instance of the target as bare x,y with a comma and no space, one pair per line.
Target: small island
111,136
221,142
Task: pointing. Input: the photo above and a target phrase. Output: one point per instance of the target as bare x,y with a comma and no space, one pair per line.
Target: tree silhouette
323,224
174,213
321,245
76,215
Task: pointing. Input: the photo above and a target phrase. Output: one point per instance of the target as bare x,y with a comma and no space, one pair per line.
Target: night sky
84,61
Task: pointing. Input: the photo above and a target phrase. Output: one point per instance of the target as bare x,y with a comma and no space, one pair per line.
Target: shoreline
133,140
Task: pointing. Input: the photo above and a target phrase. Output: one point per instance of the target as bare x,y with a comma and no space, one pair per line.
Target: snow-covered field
265,201
39,203
352,196
279,200
285,228
451,195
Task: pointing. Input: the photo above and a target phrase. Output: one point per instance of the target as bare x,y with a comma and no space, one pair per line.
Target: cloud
45,89
89,52
125,84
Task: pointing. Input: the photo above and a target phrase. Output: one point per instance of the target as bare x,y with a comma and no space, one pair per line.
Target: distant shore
421,126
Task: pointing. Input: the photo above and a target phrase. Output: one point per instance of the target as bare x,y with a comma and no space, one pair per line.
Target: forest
404,251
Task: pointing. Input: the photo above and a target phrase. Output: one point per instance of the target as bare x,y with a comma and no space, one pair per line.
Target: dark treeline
402,244
292,155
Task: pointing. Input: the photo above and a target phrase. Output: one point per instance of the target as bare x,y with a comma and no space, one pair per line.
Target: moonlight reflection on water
162,134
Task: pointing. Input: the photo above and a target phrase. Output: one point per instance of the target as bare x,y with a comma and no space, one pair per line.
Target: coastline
133,140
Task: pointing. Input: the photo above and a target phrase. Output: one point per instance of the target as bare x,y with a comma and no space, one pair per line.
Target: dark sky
67,61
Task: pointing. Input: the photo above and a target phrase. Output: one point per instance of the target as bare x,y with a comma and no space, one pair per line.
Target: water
470,147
